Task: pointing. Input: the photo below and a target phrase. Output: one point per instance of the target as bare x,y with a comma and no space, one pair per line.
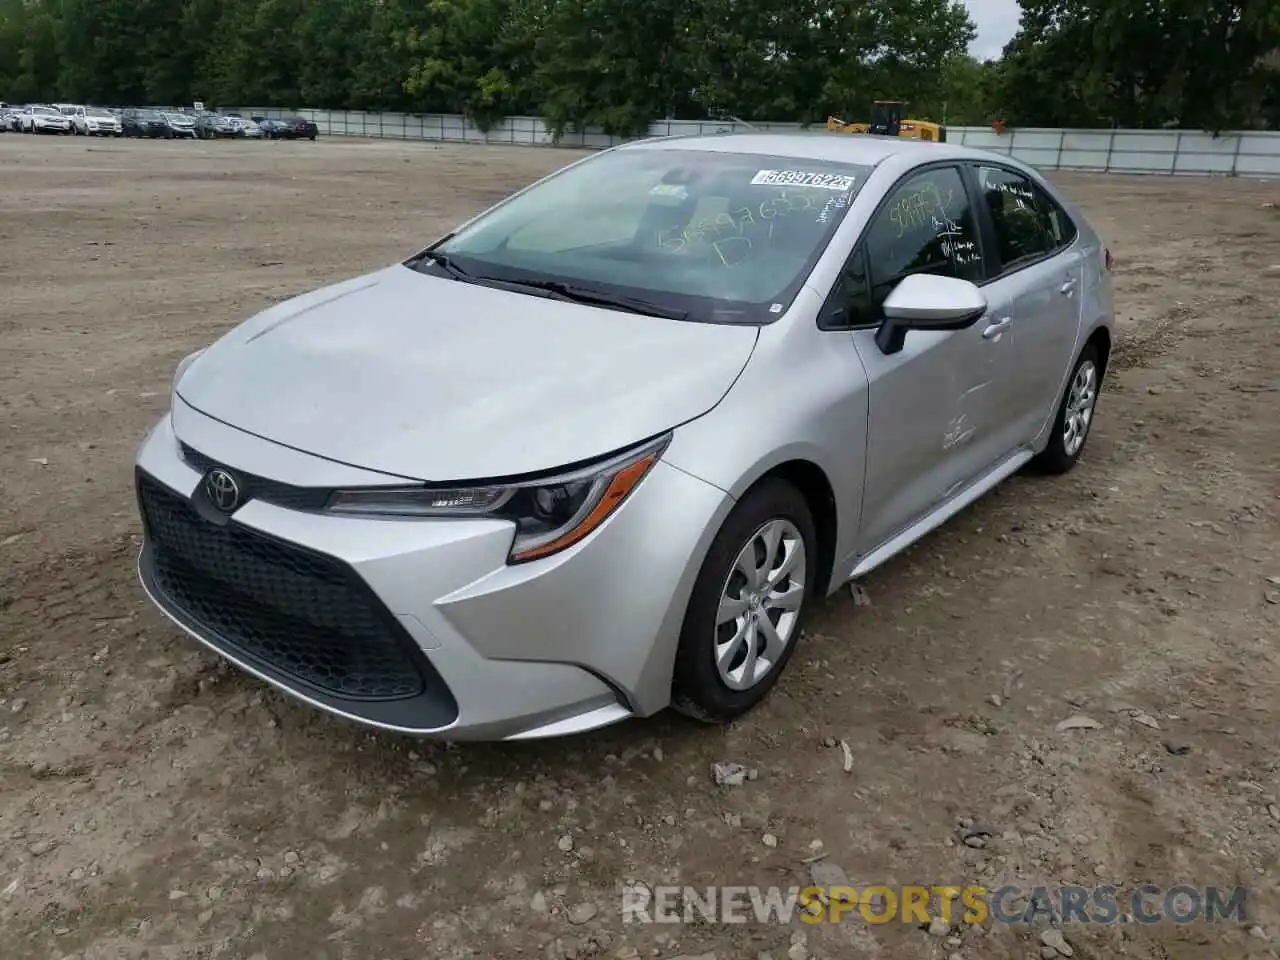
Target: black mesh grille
302,613
254,487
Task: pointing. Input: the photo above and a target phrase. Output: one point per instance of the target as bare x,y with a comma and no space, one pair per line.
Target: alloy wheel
1079,412
760,604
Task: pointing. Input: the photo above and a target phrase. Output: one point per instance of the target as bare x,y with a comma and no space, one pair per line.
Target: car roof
866,149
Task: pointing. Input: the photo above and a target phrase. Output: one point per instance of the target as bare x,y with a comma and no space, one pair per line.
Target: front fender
801,397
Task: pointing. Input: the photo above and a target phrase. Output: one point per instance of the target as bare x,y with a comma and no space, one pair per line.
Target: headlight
550,513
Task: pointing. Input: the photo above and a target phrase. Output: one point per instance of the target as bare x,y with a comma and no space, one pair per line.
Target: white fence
1250,154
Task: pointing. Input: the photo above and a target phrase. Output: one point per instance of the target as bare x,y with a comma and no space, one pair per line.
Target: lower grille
303,614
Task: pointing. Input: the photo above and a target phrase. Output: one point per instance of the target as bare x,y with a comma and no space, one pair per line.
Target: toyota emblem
222,490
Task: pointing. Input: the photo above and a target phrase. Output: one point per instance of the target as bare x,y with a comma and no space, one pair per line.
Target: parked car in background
142,122
287,128
37,118
96,122
268,126
181,125
9,122
418,552
297,128
66,109
242,126
210,126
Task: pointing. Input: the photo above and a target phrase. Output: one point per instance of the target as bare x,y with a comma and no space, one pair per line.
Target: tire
700,689
1074,420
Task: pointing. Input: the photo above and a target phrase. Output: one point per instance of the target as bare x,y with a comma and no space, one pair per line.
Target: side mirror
924,301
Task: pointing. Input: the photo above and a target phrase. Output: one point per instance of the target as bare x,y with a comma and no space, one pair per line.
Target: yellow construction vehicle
888,120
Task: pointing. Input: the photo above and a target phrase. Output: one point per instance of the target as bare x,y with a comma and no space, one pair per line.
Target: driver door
934,423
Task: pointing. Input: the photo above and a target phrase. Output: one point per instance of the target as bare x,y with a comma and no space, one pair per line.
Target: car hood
436,379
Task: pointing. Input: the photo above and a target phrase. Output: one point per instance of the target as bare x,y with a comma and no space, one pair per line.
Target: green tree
257,57
330,36
617,64
620,64
457,61
1190,63
29,38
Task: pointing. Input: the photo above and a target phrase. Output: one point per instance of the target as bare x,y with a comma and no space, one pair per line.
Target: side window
849,303
1060,225
927,226
1028,224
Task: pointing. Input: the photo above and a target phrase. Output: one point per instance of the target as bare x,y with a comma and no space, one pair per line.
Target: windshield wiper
570,291
553,288
445,263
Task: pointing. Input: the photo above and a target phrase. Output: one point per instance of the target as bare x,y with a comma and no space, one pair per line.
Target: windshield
47,111
721,237
97,112
149,115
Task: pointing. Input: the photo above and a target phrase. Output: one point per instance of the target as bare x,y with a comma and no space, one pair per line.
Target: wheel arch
815,486
1101,339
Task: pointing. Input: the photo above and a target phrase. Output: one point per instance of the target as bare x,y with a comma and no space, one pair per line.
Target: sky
997,22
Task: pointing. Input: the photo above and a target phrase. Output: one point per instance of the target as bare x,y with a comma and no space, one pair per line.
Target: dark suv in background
144,123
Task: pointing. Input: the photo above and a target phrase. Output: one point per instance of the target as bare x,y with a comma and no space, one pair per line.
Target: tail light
1107,261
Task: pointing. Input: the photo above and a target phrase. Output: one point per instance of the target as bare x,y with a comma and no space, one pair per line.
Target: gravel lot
156,804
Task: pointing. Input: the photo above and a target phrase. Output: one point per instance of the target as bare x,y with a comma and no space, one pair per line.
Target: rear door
1040,270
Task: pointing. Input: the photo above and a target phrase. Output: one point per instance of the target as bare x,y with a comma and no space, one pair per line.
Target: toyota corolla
602,448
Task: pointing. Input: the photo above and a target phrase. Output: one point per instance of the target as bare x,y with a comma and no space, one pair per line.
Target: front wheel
746,610
1075,415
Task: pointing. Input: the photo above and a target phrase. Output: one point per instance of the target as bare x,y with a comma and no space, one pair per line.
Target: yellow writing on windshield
712,231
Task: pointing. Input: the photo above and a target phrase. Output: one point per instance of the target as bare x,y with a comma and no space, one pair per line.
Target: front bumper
420,626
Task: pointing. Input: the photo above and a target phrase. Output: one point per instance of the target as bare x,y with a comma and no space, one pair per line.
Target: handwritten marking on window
734,225
915,208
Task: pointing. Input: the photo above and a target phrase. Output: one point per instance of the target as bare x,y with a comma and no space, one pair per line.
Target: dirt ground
156,804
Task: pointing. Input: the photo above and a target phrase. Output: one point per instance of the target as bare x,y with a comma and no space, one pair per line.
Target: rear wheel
1075,415
746,610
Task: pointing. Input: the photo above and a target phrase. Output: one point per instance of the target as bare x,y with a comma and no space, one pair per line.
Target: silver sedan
602,448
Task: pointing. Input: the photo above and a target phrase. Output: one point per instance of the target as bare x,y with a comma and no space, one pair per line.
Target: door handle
1068,287
997,327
